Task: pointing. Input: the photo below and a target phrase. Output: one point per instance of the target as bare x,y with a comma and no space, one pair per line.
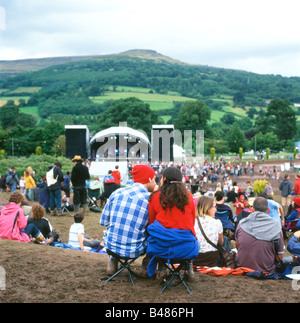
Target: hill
76,90
10,68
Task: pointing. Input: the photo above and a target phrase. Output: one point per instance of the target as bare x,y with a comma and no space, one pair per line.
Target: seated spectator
13,223
255,239
117,175
109,187
275,209
293,245
294,215
222,207
171,208
96,184
239,205
39,220
108,177
246,211
126,217
213,229
77,237
231,196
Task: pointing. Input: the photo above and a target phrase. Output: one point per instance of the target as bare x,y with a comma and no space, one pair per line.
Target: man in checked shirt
126,217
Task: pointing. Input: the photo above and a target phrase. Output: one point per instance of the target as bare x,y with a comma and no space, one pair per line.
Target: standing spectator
44,194
269,189
66,188
29,186
22,184
297,185
256,236
2,184
12,180
80,173
54,179
286,187
249,190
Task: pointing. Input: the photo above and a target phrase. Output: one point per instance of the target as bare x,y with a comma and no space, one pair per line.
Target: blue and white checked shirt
126,217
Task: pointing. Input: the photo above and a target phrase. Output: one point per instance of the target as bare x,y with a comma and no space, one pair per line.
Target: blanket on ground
240,271
222,271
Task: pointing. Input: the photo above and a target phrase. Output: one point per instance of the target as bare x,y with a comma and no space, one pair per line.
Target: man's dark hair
261,204
219,195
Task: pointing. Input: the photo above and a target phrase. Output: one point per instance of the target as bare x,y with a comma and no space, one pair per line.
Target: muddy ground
44,274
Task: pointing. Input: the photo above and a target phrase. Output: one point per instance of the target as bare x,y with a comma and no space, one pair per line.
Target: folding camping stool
174,266
93,196
124,264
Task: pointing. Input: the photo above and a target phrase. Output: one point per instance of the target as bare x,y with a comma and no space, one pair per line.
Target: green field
156,101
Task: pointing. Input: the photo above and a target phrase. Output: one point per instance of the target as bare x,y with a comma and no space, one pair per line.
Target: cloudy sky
260,36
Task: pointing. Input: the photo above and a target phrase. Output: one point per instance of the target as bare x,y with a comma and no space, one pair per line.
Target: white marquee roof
120,131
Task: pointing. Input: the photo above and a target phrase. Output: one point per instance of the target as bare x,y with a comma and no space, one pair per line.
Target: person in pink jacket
13,223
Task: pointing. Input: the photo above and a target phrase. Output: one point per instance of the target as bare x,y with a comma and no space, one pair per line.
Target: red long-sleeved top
172,218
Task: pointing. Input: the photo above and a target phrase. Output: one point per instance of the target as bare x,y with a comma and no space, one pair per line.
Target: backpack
50,177
10,179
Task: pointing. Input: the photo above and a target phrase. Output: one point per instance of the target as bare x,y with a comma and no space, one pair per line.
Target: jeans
12,187
55,200
29,194
92,244
32,230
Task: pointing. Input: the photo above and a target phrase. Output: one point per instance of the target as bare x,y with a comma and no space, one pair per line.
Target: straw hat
77,158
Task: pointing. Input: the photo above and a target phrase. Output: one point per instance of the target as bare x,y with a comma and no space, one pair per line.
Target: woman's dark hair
173,192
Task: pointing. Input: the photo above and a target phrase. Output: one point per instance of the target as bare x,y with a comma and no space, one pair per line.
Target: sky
260,36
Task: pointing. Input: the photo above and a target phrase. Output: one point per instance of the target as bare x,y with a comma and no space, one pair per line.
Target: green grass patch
156,101
31,110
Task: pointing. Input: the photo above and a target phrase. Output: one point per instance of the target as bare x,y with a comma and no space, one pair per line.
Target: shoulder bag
228,257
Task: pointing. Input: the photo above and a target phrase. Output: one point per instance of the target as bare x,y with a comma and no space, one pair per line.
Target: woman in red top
173,207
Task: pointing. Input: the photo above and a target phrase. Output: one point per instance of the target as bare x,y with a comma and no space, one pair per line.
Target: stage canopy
120,143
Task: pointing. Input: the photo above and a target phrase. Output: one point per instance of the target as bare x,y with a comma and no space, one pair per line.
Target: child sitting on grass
77,238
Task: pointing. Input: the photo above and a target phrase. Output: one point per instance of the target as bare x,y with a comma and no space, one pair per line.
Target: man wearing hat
80,173
126,217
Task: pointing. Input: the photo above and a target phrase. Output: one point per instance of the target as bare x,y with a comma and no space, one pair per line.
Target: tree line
275,130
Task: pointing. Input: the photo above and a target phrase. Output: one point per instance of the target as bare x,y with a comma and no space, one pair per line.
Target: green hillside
85,90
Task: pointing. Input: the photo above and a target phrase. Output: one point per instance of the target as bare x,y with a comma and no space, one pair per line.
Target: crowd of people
167,210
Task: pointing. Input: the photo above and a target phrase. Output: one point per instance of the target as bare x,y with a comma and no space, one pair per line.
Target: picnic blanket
240,271
222,271
63,245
